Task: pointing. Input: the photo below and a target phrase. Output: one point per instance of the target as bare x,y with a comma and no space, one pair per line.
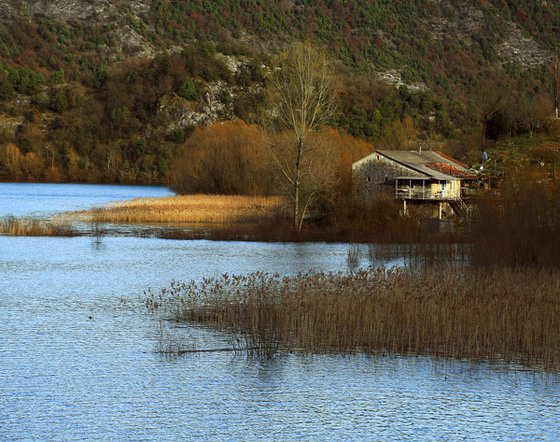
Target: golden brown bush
226,159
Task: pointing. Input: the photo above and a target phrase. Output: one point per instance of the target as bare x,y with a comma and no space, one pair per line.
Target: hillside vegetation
105,91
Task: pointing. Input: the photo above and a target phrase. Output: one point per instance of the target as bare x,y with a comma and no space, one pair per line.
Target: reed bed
11,226
499,314
190,209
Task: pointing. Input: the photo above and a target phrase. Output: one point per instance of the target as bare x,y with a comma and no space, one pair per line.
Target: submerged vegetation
493,314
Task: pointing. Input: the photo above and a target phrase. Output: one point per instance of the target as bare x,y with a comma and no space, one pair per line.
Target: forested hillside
109,91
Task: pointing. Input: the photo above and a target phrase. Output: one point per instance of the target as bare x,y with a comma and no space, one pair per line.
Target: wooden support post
404,207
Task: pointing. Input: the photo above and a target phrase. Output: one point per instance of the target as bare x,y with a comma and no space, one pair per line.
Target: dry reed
11,226
506,315
189,209
520,229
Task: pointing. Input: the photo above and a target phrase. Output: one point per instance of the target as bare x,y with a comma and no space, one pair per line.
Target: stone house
426,178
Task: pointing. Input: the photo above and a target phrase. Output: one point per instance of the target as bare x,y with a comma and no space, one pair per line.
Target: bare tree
532,110
302,93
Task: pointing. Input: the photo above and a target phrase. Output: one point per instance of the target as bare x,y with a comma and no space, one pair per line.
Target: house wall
455,189
452,189
371,175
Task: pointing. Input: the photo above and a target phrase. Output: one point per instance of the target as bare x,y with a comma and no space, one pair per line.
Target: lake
79,359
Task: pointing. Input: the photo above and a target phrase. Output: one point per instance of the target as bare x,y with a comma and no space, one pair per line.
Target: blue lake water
37,199
79,360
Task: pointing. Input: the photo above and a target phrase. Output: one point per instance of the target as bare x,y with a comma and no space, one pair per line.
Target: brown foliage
229,158
15,165
375,220
10,161
400,135
523,226
223,159
347,149
466,147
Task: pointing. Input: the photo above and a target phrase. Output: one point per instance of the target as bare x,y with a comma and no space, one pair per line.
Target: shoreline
263,231
219,217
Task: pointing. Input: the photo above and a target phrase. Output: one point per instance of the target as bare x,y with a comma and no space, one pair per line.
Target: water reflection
417,256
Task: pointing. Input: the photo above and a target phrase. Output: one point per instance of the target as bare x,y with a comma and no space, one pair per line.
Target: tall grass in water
496,314
190,209
421,255
12,226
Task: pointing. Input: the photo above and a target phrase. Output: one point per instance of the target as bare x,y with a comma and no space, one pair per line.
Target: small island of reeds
485,314
189,209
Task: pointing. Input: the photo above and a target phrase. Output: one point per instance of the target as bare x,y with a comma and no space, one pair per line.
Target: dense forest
101,91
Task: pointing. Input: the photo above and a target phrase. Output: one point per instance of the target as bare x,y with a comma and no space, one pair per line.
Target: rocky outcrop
128,42
175,112
464,21
520,48
66,10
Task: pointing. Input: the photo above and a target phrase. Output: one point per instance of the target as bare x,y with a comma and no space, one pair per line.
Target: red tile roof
453,160
449,169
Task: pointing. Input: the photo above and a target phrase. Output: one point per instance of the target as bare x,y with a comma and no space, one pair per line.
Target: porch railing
410,193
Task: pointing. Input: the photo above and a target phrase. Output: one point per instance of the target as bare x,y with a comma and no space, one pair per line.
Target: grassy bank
11,226
495,314
190,209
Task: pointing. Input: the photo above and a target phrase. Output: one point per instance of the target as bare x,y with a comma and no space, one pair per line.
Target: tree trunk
483,139
297,179
556,85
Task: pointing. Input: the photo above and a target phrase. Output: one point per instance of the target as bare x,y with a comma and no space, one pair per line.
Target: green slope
108,91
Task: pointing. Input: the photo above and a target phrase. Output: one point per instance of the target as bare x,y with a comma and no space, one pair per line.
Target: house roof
433,164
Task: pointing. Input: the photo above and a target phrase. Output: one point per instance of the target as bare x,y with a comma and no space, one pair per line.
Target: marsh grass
189,209
12,226
499,314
